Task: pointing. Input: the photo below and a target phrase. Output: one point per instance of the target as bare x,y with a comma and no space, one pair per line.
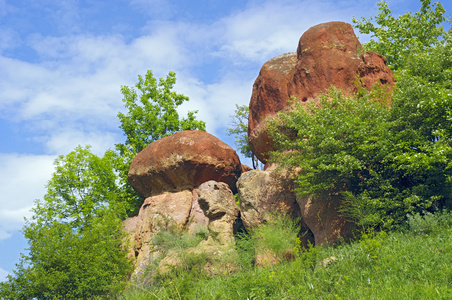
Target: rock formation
321,216
168,173
188,179
263,193
183,160
327,54
218,204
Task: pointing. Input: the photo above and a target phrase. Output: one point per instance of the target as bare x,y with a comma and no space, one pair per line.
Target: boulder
158,213
197,219
218,204
322,217
327,55
183,161
262,193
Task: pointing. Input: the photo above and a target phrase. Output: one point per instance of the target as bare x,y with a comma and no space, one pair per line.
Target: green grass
415,263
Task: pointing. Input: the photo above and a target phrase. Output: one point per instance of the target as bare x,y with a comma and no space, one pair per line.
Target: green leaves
395,38
339,141
385,160
152,114
75,235
239,128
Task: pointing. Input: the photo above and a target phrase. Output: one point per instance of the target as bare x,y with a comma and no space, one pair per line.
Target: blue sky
63,62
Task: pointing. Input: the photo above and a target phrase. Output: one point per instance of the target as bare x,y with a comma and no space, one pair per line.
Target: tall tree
151,114
239,128
75,235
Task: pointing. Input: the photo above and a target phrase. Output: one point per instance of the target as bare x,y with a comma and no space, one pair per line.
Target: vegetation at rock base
411,263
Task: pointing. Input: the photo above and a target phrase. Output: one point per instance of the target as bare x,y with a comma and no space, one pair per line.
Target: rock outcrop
218,203
322,217
264,193
181,161
158,213
168,173
327,55
189,179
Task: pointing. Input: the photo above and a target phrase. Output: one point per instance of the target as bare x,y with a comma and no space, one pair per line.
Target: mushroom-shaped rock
327,55
183,160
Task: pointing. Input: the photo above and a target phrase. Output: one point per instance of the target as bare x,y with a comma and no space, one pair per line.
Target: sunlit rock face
327,55
183,160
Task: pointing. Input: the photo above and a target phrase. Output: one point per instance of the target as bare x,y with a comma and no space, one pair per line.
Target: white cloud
215,102
65,140
22,180
3,274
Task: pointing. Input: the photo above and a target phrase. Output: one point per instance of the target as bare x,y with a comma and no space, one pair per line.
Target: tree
239,123
151,115
75,235
395,38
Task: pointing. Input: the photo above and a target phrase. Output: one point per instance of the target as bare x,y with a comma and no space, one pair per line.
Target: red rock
183,160
326,55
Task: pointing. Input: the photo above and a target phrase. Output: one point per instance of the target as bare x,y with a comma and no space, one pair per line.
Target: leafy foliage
151,115
395,37
75,235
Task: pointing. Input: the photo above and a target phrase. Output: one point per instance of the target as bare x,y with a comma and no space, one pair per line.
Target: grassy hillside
412,263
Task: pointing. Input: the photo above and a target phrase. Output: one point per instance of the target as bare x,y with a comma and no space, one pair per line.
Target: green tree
395,37
151,115
75,239
239,128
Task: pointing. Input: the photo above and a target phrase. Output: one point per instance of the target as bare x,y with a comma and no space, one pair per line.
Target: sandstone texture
327,55
181,161
322,217
218,204
159,213
263,193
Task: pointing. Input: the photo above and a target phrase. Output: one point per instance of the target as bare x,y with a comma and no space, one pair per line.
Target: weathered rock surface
181,161
263,193
322,217
157,213
326,55
218,204
197,219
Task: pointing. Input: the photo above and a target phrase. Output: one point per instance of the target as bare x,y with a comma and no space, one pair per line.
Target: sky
63,62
